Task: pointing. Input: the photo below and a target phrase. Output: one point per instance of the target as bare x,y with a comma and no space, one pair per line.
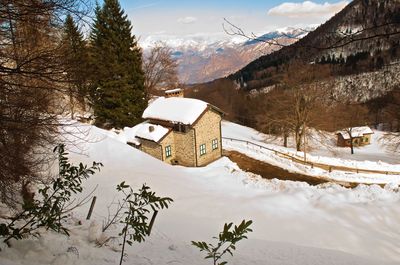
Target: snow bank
294,223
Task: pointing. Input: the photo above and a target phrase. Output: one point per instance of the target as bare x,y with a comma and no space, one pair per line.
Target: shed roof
176,110
173,90
151,132
355,132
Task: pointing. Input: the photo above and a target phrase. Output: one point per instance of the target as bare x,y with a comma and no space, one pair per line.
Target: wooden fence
295,159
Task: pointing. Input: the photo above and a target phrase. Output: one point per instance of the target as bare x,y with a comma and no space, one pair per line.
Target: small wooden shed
361,136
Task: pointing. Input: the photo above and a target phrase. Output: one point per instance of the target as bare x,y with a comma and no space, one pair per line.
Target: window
214,144
202,149
179,127
366,140
168,151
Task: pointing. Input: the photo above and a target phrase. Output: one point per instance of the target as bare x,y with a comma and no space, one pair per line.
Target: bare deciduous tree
392,115
378,31
276,116
300,103
160,69
349,115
31,81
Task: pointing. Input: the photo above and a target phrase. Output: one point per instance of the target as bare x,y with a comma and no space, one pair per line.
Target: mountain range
355,55
205,59
363,37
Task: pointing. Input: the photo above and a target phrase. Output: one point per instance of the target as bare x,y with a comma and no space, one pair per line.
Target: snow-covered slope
322,149
294,223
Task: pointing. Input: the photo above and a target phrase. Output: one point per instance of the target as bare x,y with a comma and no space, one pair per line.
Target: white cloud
145,6
307,9
187,20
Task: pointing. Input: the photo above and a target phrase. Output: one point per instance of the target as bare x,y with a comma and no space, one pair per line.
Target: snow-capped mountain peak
202,58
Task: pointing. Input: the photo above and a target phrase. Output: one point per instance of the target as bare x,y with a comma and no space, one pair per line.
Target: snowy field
294,223
370,157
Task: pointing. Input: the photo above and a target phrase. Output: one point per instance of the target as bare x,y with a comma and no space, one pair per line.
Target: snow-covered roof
176,110
151,132
355,132
128,134
173,90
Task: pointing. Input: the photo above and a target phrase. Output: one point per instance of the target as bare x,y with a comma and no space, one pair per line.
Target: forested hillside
362,37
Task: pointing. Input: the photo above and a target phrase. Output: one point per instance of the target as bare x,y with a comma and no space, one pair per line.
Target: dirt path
300,160
270,172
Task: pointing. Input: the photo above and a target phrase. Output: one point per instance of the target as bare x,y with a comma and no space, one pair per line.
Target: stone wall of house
185,148
151,148
168,141
207,129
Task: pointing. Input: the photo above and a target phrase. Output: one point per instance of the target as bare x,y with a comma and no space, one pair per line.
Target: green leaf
228,238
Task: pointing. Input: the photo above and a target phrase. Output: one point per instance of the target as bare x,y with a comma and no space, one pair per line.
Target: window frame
214,144
168,151
180,127
203,149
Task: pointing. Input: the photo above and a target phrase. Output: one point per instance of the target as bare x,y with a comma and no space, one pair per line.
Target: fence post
91,208
330,169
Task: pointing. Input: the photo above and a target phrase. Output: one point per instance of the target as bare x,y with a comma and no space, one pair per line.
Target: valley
201,60
212,132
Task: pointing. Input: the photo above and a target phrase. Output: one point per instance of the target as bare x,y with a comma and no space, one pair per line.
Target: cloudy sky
191,18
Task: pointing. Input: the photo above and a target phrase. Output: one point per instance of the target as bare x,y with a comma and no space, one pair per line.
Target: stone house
361,136
181,131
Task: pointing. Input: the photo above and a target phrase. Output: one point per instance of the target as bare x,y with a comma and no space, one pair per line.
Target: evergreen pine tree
118,93
76,62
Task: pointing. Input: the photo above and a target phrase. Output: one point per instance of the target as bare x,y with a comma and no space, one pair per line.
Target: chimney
178,93
151,128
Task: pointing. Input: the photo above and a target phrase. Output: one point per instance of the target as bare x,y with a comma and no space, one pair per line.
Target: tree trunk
285,139
377,119
298,143
298,139
351,145
72,104
305,143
